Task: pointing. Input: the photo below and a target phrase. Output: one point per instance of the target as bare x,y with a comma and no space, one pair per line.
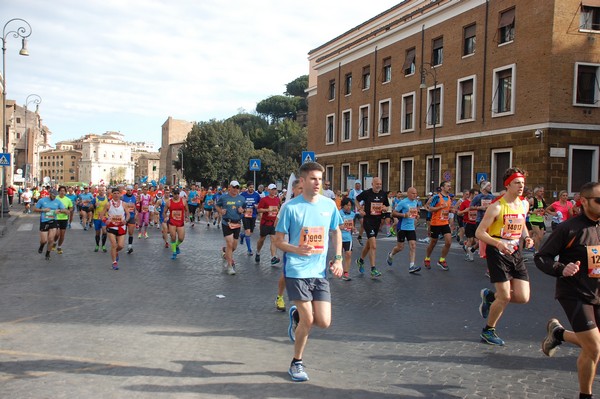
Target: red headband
512,177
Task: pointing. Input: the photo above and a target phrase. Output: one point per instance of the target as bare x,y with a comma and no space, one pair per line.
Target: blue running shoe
361,265
293,324
390,259
177,250
414,269
297,372
174,256
484,306
490,337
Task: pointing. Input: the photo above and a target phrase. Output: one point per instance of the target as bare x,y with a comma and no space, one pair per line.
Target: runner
85,200
49,207
231,207
501,229
560,210
176,209
73,197
145,201
130,201
209,202
407,211
192,202
347,228
537,207
27,197
352,195
439,205
575,243
480,203
63,218
306,220
371,204
268,208
249,221
161,222
98,206
116,218
469,217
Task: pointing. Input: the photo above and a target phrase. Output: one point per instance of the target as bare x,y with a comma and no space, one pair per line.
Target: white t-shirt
329,194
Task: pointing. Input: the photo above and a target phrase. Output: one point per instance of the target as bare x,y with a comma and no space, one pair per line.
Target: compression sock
104,236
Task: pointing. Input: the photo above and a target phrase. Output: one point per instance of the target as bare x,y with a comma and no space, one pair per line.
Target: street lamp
37,100
24,32
434,114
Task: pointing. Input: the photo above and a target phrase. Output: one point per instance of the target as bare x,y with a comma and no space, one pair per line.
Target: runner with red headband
501,230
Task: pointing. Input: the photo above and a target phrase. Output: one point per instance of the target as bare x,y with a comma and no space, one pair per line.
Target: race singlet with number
116,220
376,208
248,212
593,253
315,237
444,214
513,227
486,202
413,213
272,211
176,215
472,216
348,225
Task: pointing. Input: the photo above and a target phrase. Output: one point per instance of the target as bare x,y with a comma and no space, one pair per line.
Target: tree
279,107
215,152
274,166
254,127
297,87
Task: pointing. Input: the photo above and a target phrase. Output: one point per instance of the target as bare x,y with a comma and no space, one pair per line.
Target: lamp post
180,152
23,31
37,100
434,115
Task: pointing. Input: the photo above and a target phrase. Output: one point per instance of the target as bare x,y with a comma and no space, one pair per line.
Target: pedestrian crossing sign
255,165
4,159
308,156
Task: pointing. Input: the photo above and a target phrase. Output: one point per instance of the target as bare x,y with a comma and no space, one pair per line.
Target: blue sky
127,65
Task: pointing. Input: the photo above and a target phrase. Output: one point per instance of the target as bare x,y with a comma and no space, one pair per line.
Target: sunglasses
235,186
596,199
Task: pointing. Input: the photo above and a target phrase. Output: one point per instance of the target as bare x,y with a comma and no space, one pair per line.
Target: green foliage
279,107
297,87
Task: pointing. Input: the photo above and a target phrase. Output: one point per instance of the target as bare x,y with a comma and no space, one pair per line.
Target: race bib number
248,213
234,225
177,215
513,227
116,220
413,213
444,214
348,225
130,207
593,253
272,211
50,215
145,208
376,208
486,202
211,202
315,237
86,203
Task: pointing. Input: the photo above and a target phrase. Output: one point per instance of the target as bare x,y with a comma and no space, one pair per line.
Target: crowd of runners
304,223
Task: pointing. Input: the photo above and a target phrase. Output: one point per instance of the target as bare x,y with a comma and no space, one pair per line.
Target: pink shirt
564,209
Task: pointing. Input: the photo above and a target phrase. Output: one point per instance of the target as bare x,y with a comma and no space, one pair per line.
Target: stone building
60,166
174,132
476,85
147,165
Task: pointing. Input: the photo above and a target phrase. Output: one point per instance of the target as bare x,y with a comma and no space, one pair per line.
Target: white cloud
128,65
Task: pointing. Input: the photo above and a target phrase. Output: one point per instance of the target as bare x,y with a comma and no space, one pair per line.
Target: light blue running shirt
405,206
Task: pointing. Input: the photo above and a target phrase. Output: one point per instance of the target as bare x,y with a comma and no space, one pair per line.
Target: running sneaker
214,221
250,253
166,244
177,250
85,227
427,263
104,248
47,255
470,257
275,260
293,323
464,248
193,224
375,273
390,260
280,303
359,238
115,266
54,247
297,372
490,337
97,248
550,343
484,306
361,265
207,225
59,250
130,250
230,270
146,235
41,249
346,276
69,226
414,269
443,265
174,255
139,235
257,258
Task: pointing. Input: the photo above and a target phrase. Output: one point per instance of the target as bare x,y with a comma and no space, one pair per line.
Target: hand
336,268
571,269
305,250
504,248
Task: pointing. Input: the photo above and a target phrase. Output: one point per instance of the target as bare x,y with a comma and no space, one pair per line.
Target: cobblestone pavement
73,328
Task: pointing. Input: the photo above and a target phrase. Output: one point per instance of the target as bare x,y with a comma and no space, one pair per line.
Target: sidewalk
15,212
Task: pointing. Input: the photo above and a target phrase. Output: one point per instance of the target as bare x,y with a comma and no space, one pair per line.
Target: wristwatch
337,257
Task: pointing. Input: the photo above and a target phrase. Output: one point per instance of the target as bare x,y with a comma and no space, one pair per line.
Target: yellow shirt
510,222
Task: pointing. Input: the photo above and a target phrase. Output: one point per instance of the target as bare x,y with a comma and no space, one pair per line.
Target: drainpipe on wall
484,69
421,79
373,124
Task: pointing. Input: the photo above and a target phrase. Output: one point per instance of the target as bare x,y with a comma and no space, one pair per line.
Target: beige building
174,132
147,165
475,85
60,166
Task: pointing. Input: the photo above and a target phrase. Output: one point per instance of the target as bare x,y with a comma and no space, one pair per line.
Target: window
348,84
583,166
18,135
363,125
587,87
384,117
345,173
409,62
464,172
501,160
469,39
332,89
437,55
18,120
384,174
363,171
329,138
406,173
434,108
506,27
408,113
590,15
347,125
387,70
329,174
433,182
466,100
503,102
366,78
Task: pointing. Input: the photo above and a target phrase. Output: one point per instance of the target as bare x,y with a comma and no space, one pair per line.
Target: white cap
129,187
357,182
234,183
271,186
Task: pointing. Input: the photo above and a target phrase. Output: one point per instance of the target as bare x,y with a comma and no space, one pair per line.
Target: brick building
61,166
488,84
174,133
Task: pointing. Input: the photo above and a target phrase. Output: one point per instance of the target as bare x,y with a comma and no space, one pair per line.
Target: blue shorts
99,224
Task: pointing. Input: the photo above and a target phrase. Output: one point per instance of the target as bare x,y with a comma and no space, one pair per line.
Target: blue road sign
482,177
255,165
308,156
4,159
